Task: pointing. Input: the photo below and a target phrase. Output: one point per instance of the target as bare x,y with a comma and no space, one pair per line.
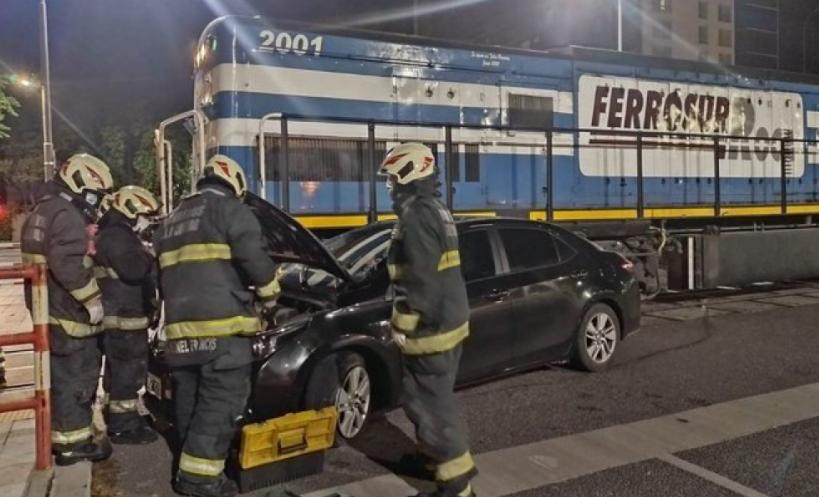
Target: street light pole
619,25
48,145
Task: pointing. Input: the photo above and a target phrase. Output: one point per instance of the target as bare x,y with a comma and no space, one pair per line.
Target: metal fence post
40,402
550,197
783,166
284,159
42,367
449,158
640,199
373,211
717,204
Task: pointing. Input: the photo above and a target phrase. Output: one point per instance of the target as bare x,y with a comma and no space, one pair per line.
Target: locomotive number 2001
284,42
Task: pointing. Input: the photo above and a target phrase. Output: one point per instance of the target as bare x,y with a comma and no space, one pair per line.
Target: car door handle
497,295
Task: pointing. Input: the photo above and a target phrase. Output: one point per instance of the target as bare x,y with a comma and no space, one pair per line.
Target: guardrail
40,402
784,148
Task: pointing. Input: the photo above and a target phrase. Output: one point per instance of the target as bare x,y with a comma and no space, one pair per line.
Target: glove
399,338
269,305
91,234
95,311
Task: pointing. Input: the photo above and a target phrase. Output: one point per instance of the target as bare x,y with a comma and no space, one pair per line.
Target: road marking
525,467
714,478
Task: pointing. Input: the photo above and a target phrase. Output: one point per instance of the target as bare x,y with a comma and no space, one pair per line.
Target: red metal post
42,366
41,401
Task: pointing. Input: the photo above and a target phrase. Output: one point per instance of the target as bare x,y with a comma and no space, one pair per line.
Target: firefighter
211,252
125,270
430,316
56,233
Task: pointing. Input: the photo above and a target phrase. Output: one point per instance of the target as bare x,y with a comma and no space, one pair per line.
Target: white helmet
408,162
83,173
133,201
229,171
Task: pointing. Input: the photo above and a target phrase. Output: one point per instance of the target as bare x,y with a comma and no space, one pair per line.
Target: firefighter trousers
429,402
209,401
75,369
126,365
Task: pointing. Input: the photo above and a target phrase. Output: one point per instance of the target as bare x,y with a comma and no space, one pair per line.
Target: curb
61,481
39,483
72,481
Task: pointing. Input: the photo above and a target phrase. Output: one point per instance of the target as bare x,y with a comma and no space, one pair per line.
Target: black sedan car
538,293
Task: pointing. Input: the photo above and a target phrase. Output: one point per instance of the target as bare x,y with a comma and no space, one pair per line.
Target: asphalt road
688,356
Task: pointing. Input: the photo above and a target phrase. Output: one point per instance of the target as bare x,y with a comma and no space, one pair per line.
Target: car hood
289,241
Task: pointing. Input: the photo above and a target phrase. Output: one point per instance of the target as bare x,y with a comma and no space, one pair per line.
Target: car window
360,248
563,249
528,248
476,255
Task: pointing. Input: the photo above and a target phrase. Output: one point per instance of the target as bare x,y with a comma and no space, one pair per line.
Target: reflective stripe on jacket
54,233
126,273
430,306
211,252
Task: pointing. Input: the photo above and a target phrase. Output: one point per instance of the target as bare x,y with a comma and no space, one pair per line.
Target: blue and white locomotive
616,137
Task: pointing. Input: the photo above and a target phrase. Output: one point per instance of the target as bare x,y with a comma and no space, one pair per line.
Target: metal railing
720,145
40,402
164,150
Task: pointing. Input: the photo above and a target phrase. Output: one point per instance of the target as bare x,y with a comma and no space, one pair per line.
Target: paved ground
703,361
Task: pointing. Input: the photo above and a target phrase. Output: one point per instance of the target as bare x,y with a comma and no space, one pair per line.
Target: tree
145,164
8,107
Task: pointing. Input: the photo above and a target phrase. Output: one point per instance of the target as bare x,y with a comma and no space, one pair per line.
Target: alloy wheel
601,337
353,402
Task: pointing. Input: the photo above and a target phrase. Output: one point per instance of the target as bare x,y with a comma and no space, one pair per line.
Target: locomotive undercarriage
694,254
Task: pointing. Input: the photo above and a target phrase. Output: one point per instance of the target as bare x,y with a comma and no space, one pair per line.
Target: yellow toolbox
285,448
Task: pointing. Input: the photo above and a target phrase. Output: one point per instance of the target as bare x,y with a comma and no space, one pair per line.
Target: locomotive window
530,111
455,168
472,174
321,159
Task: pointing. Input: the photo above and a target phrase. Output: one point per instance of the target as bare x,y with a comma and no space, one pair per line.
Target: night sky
113,59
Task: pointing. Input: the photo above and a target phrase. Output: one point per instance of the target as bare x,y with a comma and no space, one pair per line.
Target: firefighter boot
212,487
90,450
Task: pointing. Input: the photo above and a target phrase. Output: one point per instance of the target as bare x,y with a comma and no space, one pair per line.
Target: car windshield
360,247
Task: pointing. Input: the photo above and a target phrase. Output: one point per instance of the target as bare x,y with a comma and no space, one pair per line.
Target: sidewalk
18,478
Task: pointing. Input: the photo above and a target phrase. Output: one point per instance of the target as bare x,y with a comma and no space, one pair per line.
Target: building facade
687,29
758,33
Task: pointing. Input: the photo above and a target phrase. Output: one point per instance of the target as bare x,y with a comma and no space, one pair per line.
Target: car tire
342,380
596,339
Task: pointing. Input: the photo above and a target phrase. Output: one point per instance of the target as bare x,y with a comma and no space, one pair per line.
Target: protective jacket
430,305
125,271
55,233
210,252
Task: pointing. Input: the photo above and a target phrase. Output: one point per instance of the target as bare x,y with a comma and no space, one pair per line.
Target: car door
487,350
544,290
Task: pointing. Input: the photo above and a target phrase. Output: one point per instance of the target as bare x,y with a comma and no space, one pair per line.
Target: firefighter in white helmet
430,317
127,274
211,252
57,233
